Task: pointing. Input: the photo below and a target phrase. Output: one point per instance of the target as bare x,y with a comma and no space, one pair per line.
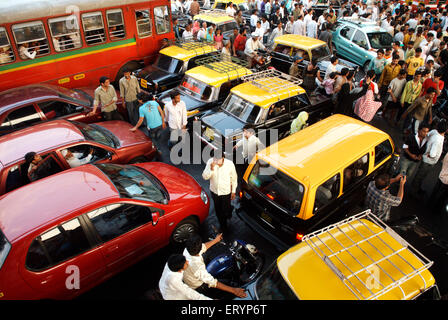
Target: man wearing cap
252,45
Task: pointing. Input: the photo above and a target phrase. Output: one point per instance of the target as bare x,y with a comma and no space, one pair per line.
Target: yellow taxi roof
215,18
299,42
233,1
217,73
333,142
188,51
259,94
310,277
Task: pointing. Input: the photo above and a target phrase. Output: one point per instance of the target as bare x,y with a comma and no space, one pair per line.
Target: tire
138,160
184,230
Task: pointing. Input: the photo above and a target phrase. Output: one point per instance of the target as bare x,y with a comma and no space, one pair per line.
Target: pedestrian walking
106,96
129,88
176,118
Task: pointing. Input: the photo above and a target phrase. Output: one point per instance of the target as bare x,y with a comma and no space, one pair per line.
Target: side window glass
143,20
360,39
57,245
6,53
286,50
82,154
54,109
47,167
116,219
23,117
277,109
162,19
299,53
14,179
115,24
382,151
347,32
93,28
31,39
65,33
356,171
299,102
327,191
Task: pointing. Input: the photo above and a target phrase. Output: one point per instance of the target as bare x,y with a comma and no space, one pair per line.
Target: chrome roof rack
194,45
350,277
214,12
217,62
273,80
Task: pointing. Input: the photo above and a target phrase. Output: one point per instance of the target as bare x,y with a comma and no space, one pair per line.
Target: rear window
277,186
5,246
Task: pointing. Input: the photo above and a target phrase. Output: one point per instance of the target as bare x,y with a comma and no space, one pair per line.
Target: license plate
266,218
209,134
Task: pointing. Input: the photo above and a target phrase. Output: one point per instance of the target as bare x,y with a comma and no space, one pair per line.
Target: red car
103,142
23,106
65,234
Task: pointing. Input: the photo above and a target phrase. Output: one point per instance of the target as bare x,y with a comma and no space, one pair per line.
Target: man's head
395,59
417,76
430,93
127,72
248,131
370,74
402,74
32,157
418,52
380,53
104,81
442,127
175,96
194,244
177,262
382,181
344,72
423,130
334,60
438,74
218,156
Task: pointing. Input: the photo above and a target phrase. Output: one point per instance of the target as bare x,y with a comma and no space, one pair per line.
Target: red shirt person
240,41
435,83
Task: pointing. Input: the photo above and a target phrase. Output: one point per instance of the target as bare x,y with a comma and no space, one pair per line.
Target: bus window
143,20
6,54
162,19
93,28
31,39
115,24
65,33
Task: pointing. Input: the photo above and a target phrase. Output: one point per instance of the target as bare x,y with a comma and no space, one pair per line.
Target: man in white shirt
187,34
196,275
74,159
230,10
434,148
252,45
311,28
202,33
25,54
176,118
223,183
308,17
278,31
250,143
254,19
171,284
299,27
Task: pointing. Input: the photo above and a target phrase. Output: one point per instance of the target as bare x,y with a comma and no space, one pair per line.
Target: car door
281,57
127,231
63,260
279,119
59,109
19,118
343,43
354,181
360,47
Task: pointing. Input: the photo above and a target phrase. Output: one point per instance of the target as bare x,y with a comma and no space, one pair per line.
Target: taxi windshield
277,186
272,286
168,64
320,53
379,40
196,88
240,108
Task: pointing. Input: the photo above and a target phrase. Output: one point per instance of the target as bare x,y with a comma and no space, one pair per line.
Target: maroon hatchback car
103,142
65,234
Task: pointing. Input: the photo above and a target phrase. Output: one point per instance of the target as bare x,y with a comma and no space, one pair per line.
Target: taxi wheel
184,230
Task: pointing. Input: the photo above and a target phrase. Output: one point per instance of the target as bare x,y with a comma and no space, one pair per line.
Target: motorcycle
238,263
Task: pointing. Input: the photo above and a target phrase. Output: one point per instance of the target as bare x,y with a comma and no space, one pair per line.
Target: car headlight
204,197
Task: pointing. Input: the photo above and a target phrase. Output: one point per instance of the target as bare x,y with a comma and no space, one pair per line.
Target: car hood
157,75
179,184
120,129
223,123
190,102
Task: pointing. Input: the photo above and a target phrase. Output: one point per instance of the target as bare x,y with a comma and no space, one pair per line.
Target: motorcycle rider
196,275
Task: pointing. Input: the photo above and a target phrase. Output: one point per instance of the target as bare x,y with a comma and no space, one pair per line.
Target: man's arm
208,171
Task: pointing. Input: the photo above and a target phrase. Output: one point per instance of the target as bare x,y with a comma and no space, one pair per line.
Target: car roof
298,41
335,260
30,93
55,197
188,50
233,1
259,94
367,27
330,143
214,16
216,73
37,138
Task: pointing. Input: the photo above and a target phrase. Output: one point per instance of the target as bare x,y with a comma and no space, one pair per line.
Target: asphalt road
138,281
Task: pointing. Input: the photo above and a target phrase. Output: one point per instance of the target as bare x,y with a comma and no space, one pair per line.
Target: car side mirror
155,218
109,155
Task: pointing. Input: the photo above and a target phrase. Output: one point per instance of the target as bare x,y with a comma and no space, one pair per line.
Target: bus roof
186,52
357,258
337,141
18,10
216,73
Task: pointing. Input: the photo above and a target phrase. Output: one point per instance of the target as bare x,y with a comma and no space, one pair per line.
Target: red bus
74,42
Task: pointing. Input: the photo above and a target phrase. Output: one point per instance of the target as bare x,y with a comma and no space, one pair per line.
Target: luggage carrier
225,64
367,244
194,45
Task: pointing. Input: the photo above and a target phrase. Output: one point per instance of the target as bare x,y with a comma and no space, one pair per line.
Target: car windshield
380,40
196,88
134,183
95,133
277,186
320,53
240,108
5,246
227,26
168,64
272,286
75,96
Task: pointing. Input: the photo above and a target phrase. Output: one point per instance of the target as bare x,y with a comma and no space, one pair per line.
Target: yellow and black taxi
359,258
269,100
207,85
288,47
312,178
242,5
171,64
218,18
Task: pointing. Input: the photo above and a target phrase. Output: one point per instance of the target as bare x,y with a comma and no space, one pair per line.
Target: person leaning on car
106,95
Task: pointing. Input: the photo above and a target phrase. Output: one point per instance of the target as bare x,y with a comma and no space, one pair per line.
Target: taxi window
299,53
162,19
280,48
6,54
93,28
65,33
221,6
382,151
355,172
228,26
143,20
115,24
31,39
321,52
327,191
278,109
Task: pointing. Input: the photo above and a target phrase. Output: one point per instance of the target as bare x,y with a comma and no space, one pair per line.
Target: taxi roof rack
219,63
314,241
271,79
193,45
214,12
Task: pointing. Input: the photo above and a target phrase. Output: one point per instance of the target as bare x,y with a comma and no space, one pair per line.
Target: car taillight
270,196
241,194
299,237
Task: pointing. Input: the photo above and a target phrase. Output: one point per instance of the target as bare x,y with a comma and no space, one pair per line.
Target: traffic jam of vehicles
230,150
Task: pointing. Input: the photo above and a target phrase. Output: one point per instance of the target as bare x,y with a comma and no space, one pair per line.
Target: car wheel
184,230
138,160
